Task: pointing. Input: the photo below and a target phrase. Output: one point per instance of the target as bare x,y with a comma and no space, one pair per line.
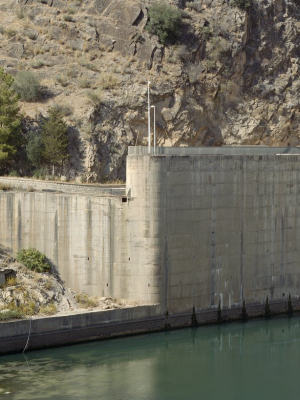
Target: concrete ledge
62,187
207,150
79,328
64,330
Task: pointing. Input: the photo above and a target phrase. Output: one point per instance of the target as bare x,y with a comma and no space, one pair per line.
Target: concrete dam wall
73,230
194,230
217,227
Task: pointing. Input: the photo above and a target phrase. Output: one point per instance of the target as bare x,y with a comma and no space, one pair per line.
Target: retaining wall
71,329
47,332
77,233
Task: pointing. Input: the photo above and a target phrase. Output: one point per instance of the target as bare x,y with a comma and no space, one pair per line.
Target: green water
252,361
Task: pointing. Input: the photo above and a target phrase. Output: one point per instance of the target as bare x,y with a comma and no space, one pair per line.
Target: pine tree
35,149
55,139
10,123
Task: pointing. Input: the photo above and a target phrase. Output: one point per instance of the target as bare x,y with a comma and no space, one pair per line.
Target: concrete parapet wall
62,187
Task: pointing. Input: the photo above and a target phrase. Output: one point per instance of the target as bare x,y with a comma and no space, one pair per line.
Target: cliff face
233,77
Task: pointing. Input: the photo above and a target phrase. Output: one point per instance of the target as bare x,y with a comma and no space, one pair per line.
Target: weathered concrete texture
76,232
71,329
212,229
194,231
55,331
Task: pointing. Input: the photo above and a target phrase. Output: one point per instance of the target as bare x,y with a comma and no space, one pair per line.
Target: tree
35,149
55,139
10,123
165,22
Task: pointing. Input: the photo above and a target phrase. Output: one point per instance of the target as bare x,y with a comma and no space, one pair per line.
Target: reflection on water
252,361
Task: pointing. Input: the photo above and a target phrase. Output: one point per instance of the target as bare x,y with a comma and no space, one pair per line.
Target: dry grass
50,309
5,187
11,281
85,301
108,80
94,97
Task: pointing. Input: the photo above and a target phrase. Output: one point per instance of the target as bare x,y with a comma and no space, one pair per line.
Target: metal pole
154,129
149,135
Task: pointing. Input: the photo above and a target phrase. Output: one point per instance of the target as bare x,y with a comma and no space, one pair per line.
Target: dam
193,228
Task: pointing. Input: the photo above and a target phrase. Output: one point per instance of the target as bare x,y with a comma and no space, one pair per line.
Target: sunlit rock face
231,78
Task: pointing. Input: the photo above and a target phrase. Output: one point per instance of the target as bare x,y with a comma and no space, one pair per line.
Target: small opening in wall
129,258
283,294
124,199
107,284
88,258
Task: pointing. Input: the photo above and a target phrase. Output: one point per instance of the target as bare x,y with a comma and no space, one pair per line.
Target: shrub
84,83
20,13
40,173
63,109
33,260
165,22
195,5
13,173
39,63
10,314
94,98
68,18
32,35
243,4
27,85
108,80
62,80
90,66
10,32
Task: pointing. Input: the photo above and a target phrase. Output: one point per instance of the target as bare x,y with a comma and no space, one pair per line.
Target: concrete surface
215,228
194,231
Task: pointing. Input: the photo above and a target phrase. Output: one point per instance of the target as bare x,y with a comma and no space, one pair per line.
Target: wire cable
28,337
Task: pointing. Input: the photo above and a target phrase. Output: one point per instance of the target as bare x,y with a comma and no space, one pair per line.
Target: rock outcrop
231,79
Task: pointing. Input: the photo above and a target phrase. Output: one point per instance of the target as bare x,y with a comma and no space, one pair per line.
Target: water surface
241,361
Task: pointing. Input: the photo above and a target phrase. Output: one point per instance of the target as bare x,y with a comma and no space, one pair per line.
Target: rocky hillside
232,77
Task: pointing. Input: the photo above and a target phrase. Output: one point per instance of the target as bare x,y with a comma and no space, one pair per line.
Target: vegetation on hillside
28,86
165,22
34,260
10,123
55,139
46,148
